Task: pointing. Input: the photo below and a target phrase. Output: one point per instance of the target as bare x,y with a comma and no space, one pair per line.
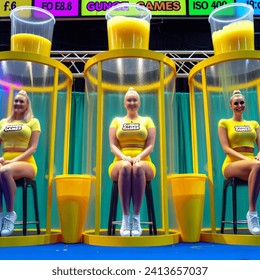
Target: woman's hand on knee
136,160
127,158
8,162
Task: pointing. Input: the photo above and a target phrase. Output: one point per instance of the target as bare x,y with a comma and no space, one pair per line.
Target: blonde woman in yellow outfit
19,136
237,137
132,139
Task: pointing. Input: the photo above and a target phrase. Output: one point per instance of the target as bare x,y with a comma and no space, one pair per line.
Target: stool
25,183
113,209
234,183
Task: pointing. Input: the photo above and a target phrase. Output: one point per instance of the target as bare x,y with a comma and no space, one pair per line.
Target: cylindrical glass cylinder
232,28
31,30
128,26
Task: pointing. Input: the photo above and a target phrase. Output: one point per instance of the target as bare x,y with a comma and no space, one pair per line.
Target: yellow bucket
188,191
73,193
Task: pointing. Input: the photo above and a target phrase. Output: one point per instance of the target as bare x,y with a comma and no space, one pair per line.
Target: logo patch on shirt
13,127
131,126
242,128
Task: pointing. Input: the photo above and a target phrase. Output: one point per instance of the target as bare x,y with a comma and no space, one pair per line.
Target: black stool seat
113,209
234,183
26,183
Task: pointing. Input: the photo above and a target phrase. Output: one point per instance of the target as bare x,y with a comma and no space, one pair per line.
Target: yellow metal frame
208,148
31,239
134,53
89,237
163,164
100,110
96,237
225,57
194,143
229,238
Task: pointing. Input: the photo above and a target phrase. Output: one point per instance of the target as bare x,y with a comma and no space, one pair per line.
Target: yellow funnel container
73,193
188,191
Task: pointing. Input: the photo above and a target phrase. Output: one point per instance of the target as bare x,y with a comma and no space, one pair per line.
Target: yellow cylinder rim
32,57
73,176
188,175
126,53
215,59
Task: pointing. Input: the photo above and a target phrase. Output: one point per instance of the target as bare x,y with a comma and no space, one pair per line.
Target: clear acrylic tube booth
212,82
108,76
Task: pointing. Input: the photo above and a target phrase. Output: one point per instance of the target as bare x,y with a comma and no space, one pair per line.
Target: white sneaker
8,224
136,226
125,227
253,223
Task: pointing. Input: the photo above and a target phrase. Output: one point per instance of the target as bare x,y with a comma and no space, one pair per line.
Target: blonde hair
28,114
236,93
131,89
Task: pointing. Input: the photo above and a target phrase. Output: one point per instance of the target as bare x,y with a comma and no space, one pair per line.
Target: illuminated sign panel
157,8
97,8
205,7
65,8
7,6
254,4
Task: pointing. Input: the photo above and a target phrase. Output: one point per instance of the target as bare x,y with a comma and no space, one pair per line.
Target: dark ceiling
167,34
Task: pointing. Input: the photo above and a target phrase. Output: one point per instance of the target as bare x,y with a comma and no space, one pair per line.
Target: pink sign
59,8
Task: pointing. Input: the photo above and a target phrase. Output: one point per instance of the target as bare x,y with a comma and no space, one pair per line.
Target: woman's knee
125,169
138,170
4,172
256,167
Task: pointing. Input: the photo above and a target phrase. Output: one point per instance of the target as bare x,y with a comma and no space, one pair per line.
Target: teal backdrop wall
182,152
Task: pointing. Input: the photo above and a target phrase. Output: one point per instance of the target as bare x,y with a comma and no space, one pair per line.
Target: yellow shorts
132,152
230,159
12,155
146,160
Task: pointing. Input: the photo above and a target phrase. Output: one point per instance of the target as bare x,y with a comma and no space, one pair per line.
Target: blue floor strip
180,251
